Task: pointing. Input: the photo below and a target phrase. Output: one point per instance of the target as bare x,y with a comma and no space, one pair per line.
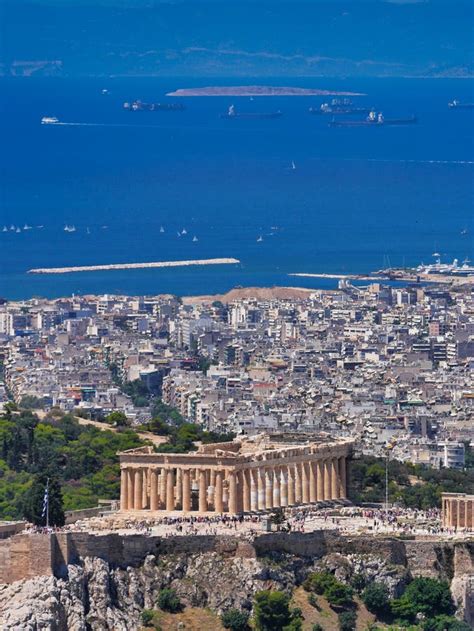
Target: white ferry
49,120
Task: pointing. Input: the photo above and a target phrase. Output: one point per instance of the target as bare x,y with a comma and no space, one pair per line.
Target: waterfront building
241,476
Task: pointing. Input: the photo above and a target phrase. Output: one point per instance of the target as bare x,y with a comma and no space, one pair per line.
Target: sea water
357,200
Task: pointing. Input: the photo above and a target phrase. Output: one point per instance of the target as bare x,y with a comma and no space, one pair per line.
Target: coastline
119,266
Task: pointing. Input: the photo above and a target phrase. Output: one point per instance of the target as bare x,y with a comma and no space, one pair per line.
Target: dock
118,266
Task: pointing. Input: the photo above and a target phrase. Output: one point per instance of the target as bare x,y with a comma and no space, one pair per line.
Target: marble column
276,488
130,489
312,481
458,514
291,485
179,486
298,484
145,488
334,479
232,493
246,490
218,505
170,490
283,487
202,491
327,480
253,489
153,490
138,489
186,492
343,478
268,488
261,489
123,489
305,482
163,488
320,481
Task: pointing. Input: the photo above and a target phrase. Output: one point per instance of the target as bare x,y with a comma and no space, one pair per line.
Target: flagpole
47,503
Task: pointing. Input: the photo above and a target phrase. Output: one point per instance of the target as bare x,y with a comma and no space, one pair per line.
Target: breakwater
116,266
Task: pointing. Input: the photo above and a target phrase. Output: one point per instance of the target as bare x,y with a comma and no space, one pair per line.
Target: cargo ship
374,120
139,106
232,113
457,105
338,106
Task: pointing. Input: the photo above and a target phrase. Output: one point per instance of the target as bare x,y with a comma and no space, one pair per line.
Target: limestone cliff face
95,594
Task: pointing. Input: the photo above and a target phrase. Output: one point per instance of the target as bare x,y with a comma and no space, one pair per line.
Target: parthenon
251,474
457,510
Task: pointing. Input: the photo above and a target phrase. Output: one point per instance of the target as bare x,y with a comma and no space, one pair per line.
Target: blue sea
358,199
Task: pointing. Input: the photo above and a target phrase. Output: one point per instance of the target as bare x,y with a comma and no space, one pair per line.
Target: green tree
34,502
168,600
347,620
376,598
427,596
235,620
271,610
118,419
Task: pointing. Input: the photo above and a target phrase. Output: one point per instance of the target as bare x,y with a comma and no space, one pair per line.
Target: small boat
49,120
179,233
260,239
68,228
40,227
162,229
104,227
27,227
104,91
232,113
195,239
464,231
458,105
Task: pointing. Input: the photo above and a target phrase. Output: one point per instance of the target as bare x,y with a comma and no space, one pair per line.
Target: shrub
375,597
319,582
168,600
347,620
358,582
271,610
339,595
235,620
313,601
147,616
317,627
445,623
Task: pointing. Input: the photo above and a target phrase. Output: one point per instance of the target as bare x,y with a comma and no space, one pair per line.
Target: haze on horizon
429,38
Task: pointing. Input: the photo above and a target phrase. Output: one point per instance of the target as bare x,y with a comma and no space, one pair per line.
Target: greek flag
45,500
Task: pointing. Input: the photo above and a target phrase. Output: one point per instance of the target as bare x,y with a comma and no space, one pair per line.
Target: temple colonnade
457,510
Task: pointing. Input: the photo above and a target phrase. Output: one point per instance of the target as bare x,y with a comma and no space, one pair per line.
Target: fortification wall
25,556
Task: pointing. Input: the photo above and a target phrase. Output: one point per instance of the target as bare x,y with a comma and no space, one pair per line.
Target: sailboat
195,239
12,228
293,165
88,230
26,227
184,231
260,239
5,229
18,230
162,229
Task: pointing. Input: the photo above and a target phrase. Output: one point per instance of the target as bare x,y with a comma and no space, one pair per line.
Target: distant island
258,90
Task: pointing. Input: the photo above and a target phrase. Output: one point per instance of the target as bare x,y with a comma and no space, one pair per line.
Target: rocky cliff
96,594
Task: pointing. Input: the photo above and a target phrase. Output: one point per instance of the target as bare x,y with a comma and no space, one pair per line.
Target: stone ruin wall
25,556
